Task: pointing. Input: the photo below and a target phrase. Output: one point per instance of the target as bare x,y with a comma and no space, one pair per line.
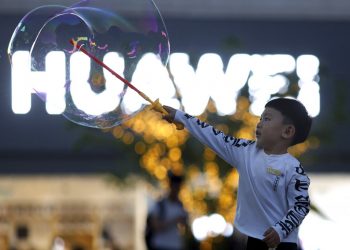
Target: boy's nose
258,125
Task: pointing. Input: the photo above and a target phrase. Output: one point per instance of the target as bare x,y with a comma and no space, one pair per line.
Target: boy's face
270,128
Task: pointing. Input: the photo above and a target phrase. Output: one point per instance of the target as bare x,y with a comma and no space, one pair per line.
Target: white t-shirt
273,189
170,237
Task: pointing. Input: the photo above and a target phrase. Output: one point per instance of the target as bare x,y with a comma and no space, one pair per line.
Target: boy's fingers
271,238
268,239
170,110
171,114
167,118
268,233
269,230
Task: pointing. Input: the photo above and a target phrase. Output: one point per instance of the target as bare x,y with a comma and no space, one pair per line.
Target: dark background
42,143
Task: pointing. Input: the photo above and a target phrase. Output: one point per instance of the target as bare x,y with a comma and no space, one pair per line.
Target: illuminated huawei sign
265,75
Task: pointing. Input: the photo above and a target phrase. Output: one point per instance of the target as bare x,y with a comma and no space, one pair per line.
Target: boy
273,187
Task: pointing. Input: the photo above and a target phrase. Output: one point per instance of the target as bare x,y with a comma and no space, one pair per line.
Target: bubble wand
156,105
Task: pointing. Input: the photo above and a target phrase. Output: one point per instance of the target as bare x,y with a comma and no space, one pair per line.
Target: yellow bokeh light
212,169
140,147
148,138
177,168
160,172
314,142
165,161
175,154
118,132
211,107
128,138
245,133
209,154
172,141
139,126
223,127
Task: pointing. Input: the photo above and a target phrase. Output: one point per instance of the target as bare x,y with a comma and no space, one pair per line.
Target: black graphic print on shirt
301,206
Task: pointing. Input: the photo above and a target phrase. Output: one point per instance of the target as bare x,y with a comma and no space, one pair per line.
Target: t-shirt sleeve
298,201
229,148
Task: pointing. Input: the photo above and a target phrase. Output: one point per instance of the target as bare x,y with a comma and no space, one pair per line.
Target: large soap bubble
112,33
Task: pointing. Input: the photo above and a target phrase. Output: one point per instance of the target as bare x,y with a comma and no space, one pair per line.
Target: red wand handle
156,105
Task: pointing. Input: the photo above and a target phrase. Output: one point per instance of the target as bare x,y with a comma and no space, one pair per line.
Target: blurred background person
168,219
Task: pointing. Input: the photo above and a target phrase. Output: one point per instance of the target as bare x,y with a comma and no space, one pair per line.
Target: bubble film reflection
120,39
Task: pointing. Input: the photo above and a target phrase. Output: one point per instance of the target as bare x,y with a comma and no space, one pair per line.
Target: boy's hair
175,178
294,112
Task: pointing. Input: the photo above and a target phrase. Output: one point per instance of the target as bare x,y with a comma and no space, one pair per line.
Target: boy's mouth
257,134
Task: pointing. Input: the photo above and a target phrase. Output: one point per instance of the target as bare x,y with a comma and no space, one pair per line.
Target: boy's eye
265,118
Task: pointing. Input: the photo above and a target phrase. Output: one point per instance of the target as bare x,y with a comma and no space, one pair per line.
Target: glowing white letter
25,82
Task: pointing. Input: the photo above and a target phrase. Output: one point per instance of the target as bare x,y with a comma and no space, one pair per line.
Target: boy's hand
171,114
168,117
272,238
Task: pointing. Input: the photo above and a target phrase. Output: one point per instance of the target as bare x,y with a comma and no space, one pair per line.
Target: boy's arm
298,198
227,147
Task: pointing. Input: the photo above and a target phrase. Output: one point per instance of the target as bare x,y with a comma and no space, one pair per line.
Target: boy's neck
279,147
272,152
276,149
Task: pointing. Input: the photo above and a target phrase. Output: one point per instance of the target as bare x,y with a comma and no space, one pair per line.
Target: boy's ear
288,132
